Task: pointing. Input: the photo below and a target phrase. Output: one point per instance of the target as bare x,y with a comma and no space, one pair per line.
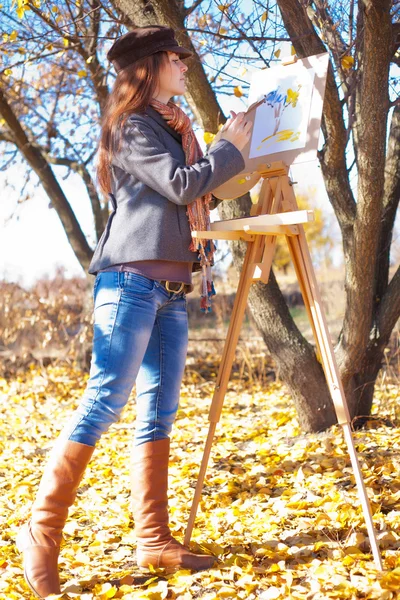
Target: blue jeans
140,334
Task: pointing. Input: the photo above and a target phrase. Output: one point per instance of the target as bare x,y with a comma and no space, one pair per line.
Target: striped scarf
198,211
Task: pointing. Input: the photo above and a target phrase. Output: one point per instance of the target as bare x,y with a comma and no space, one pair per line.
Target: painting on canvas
281,121
285,107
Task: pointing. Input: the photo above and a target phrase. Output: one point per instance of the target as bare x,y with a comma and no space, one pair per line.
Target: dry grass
52,324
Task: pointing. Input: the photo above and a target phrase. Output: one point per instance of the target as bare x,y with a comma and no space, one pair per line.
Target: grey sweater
150,191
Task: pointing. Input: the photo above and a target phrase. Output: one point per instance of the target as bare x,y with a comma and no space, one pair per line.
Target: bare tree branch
41,167
237,38
98,74
192,8
7,136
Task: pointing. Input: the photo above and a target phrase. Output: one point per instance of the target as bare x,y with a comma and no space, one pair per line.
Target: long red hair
133,90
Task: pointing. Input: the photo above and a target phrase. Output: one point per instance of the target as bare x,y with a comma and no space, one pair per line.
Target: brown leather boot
40,539
155,544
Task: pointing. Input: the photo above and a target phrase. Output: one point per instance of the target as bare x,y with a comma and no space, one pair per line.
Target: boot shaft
149,483
39,540
155,544
58,487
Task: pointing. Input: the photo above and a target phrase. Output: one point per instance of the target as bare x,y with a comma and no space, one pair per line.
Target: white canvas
281,122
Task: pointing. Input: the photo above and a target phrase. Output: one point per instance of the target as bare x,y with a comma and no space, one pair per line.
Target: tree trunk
38,163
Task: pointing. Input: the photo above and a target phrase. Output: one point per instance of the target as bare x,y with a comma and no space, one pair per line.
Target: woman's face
171,81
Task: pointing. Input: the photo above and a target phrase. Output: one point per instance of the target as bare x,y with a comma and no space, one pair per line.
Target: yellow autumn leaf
347,62
105,590
22,6
82,73
65,42
223,7
264,16
157,591
238,92
208,137
391,580
277,53
353,550
13,36
222,31
8,72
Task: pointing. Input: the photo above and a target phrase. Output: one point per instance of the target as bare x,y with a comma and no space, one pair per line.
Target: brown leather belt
176,287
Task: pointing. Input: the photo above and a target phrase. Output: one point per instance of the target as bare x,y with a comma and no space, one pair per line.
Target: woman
160,187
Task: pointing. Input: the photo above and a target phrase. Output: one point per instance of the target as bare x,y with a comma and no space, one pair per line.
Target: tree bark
371,108
390,205
41,167
100,213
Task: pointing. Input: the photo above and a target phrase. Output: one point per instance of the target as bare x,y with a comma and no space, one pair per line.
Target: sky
33,243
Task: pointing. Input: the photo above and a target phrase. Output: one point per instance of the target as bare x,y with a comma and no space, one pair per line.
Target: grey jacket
150,190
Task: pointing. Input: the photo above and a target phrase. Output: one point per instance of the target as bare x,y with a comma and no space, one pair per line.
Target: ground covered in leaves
280,509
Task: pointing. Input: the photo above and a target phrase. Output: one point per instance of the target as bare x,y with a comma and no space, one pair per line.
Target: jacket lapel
161,121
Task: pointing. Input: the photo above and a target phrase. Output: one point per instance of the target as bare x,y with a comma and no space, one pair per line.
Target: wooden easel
276,213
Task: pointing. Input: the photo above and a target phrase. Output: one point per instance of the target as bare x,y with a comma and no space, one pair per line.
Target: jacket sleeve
143,154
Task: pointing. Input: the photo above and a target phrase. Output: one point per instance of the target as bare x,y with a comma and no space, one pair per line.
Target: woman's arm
143,155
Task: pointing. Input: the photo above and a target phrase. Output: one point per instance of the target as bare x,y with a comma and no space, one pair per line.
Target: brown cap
144,41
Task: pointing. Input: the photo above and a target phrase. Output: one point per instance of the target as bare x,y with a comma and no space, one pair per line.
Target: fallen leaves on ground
279,509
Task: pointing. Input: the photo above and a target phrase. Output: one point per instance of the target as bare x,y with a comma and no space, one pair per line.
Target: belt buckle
181,288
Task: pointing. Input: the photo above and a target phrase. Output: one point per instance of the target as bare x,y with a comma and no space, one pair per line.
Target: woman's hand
236,130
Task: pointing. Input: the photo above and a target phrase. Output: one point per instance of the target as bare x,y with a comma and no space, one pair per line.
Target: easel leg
199,484
308,284
224,374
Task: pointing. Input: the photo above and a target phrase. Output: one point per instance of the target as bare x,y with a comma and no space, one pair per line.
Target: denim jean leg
124,315
160,375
